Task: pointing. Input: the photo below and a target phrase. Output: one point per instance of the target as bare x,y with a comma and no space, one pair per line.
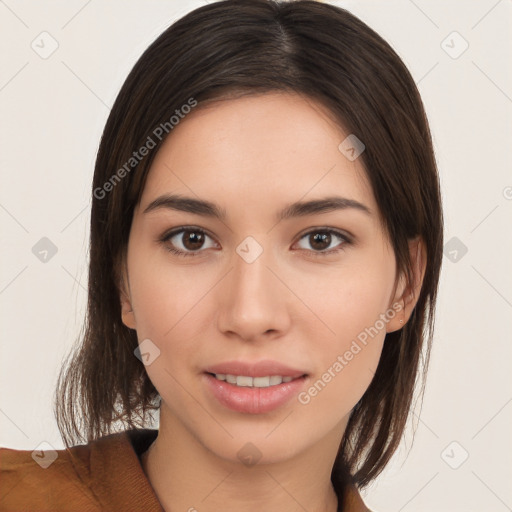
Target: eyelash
178,252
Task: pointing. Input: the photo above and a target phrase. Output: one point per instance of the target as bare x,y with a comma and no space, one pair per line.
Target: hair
242,47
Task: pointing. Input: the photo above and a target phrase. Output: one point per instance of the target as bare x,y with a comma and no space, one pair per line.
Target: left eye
321,240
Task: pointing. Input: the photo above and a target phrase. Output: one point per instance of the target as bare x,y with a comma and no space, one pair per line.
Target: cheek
167,304
164,295
351,299
353,302
346,362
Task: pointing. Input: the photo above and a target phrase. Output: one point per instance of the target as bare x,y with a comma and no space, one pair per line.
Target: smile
253,395
250,382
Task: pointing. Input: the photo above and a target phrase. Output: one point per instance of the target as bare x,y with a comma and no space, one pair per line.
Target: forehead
255,151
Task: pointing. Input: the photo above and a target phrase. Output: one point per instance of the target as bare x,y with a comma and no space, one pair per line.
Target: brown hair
236,47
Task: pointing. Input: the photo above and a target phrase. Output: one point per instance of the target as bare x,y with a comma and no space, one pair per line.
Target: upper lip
255,369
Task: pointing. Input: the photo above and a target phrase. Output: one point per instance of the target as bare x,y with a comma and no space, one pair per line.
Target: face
311,293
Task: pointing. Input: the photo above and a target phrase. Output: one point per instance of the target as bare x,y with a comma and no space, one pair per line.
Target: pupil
196,240
322,239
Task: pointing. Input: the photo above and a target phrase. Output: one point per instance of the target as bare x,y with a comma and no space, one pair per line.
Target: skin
252,156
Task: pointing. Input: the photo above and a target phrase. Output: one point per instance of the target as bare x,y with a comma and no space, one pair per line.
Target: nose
253,299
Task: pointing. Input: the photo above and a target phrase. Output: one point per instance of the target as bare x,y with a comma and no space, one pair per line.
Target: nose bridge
251,298
251,277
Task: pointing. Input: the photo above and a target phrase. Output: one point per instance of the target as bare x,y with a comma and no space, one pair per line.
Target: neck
187,476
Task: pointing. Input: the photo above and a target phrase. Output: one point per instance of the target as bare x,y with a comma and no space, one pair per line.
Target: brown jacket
104,475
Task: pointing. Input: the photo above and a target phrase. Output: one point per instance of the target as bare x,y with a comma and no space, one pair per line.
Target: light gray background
52,113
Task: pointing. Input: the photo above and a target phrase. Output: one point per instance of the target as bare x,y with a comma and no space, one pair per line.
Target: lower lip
253,400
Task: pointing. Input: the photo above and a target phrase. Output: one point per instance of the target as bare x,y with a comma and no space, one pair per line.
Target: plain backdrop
52,111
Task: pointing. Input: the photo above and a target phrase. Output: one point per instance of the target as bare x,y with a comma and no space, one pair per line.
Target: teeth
263,382
241,380
256,382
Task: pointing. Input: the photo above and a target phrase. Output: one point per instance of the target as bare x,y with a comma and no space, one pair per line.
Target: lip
256,369
253,400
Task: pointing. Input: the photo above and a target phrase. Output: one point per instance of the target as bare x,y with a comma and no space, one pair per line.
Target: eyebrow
297,209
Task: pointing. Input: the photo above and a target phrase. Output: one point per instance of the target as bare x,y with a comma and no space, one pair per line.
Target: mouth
254,382
245,372
253,394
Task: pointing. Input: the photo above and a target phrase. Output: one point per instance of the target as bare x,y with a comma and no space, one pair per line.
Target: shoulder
104,474
353,502
48,478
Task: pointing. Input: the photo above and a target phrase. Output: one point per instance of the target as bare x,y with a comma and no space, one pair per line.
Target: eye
190,241
321,239
187,241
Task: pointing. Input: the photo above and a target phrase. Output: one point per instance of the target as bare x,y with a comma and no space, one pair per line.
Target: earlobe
407,294
127,315
399,318
419,264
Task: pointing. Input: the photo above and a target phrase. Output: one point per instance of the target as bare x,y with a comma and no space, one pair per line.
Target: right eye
186,241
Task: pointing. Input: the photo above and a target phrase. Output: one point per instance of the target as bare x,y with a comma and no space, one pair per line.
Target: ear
407,294
127,314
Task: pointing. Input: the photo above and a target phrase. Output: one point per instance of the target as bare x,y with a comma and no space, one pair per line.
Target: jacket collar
114,459
112,470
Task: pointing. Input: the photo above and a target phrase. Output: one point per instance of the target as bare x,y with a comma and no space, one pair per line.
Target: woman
266,238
